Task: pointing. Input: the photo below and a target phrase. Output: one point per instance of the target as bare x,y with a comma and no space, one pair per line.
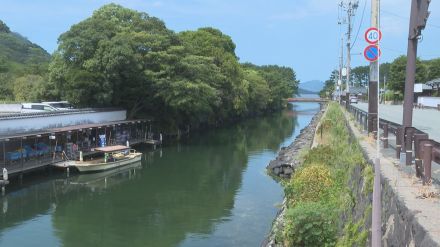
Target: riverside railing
416,144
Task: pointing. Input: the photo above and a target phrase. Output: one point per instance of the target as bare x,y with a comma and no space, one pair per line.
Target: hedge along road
426,120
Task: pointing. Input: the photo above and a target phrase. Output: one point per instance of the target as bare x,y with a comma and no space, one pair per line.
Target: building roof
69,128
112,148
433,82
358,90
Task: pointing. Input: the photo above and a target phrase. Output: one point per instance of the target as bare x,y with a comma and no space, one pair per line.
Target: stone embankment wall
287,160
284,166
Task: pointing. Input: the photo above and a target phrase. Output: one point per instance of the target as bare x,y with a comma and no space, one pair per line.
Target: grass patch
319,194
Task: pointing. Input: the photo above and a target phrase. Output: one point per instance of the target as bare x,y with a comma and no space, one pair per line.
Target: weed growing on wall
319,194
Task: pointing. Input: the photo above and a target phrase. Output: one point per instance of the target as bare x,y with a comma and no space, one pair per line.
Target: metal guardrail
414,142
56,113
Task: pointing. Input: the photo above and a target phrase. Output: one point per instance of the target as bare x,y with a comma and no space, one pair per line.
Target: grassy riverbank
321,196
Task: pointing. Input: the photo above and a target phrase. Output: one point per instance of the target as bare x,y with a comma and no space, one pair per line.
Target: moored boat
112,157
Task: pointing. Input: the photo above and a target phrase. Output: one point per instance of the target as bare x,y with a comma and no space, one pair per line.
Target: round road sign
372,53
373,35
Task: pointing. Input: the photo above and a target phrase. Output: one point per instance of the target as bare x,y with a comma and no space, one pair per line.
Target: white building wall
36,123
429,101
7,108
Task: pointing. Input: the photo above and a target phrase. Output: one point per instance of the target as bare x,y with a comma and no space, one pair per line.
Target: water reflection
186,194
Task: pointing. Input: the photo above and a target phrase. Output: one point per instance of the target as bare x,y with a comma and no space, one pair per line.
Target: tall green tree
329,85
433,69
27,88
121,57
211,43
282,84
398,74
360,76
118,51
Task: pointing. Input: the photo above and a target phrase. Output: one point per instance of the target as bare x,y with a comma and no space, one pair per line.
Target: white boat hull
95,167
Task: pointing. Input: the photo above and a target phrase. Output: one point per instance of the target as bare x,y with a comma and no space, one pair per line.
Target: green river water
209,190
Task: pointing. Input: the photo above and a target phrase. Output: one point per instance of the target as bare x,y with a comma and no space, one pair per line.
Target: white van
36,107
60,105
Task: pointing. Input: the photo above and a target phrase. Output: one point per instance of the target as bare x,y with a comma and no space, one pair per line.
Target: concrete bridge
306,100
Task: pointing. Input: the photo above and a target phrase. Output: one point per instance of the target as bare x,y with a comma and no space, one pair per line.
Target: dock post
5,181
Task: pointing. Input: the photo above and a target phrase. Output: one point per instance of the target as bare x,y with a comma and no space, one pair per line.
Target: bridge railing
415,143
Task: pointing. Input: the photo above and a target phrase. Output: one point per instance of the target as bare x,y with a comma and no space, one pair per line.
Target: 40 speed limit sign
373,35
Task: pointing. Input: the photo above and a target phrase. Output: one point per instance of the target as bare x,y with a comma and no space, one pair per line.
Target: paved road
426,120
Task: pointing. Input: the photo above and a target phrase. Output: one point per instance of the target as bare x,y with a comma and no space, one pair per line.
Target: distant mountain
18,53
304,91
19,58
310,87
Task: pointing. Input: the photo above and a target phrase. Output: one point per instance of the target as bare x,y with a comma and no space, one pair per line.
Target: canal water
209,190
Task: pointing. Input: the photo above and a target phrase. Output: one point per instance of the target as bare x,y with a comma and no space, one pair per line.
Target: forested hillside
23,66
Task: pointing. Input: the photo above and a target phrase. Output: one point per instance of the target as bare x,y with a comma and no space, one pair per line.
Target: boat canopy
112,148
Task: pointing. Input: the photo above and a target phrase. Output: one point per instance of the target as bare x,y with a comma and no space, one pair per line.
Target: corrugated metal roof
70,128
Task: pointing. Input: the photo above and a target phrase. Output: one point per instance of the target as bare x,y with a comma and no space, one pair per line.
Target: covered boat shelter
26,151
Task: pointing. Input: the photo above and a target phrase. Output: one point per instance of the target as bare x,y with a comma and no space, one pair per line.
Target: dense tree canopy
398,73
121,57
393,73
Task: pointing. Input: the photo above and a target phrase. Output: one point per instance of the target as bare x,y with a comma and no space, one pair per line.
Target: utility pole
374,79
373,112
417,22
341,64
351,9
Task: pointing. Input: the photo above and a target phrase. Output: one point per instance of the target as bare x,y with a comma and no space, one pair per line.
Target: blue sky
302,34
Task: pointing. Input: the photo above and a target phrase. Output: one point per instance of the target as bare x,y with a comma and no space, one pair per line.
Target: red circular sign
372,53
373,35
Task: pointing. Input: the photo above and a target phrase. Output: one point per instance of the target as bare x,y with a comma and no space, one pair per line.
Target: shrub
309,184
310,224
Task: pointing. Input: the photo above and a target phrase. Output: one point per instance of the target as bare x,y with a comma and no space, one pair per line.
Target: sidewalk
409,210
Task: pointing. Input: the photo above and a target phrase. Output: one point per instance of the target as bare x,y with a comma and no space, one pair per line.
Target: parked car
36,107
353,99
60,105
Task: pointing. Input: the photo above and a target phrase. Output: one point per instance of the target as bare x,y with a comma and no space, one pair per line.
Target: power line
407,18
360,24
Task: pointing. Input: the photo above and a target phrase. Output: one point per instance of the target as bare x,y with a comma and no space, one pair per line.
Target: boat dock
36,140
